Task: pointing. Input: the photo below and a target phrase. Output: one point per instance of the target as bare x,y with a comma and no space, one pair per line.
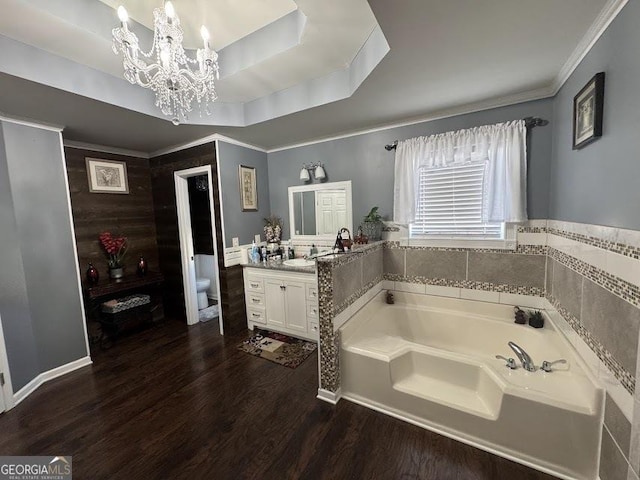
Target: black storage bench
124,314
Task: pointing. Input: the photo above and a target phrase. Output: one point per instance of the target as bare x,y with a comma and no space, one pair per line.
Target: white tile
624,267
480,295
532,238
409,287
535,223
442,291
587,355
522,300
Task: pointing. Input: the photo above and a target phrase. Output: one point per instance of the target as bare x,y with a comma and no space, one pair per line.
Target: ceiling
444,56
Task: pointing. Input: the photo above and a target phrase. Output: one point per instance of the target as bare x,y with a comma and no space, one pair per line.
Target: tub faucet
525,359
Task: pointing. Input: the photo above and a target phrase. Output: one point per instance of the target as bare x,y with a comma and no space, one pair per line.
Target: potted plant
116,248
372,225
273,231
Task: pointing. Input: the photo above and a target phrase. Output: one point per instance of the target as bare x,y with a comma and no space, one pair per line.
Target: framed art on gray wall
248,189
107,176
588,107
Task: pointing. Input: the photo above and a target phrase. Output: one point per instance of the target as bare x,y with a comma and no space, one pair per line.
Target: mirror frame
315,188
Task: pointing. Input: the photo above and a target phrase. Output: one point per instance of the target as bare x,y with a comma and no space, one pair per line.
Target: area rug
208,313
278,348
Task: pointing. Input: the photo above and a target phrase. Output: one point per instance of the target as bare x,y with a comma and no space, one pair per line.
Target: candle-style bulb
122,14
204,33
169,10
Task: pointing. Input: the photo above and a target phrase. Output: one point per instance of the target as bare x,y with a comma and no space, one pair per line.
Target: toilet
202,285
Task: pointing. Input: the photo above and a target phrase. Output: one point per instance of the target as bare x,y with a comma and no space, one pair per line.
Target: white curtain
504,148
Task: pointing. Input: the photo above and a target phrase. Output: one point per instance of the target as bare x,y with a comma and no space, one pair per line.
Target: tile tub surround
342,279
507,271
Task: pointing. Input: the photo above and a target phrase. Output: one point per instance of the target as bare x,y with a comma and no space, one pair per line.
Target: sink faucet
525,359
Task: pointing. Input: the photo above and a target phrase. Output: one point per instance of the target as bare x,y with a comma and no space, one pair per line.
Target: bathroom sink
299,262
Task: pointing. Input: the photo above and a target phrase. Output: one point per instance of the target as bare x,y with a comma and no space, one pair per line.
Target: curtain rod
529,122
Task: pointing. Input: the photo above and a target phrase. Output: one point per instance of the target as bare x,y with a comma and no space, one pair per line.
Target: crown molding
30,123
531,95
598,27
104,149
201,141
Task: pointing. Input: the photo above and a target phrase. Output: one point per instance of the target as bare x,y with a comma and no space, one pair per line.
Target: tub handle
511,363
546,366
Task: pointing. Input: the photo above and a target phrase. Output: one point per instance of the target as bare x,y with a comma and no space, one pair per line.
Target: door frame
186,242
6,390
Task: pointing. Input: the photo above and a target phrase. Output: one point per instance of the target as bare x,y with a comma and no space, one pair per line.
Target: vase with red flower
115,248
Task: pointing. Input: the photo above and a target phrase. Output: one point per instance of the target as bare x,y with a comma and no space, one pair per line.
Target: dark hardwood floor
178,402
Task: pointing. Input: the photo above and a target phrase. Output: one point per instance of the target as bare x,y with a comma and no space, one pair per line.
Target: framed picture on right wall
588,107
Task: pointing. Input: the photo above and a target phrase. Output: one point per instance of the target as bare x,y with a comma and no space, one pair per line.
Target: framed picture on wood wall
248,189
588,107
107,176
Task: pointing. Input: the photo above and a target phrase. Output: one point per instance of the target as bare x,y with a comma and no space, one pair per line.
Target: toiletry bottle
263,251
254,252
314,250
292,253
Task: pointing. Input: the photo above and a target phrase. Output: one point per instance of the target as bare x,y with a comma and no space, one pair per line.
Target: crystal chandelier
175,78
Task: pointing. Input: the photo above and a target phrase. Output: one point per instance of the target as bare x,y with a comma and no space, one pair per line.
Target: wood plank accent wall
129,215
164,200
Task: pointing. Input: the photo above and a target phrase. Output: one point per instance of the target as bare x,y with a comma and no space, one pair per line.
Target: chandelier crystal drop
175,78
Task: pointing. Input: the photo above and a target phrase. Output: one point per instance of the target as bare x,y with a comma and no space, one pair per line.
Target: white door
274,298
296,306
3,405
6,400
331,211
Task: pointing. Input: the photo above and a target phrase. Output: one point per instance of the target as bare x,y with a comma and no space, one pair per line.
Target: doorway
198,246
6,390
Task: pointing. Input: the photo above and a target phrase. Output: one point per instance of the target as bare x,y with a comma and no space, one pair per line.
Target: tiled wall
589,274
343,282
593,279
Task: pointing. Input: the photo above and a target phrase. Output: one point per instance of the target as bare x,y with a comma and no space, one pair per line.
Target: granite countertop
357,250
279,265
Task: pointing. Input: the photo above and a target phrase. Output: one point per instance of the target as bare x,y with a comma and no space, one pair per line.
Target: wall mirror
319,211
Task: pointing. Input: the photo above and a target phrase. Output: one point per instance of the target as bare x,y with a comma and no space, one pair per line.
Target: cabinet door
274,299
296,306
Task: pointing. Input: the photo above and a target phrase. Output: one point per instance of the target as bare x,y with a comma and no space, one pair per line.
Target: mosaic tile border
468,284
525,229
619,287
620,248
329,340
520,249
355,296
627,380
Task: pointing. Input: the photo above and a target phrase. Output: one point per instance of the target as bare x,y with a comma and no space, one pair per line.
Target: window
450,201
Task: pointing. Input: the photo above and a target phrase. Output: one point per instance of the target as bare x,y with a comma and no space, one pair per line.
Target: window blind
450,203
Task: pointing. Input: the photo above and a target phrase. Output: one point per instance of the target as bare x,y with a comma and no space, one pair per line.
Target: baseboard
31,387
329,396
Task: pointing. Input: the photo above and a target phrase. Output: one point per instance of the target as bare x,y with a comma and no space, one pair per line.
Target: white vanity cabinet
282,301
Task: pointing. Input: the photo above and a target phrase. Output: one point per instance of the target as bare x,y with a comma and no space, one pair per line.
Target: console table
107,289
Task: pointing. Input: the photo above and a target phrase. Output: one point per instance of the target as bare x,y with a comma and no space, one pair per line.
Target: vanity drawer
312,292
314,329
255,300
256,315
312,310
254,285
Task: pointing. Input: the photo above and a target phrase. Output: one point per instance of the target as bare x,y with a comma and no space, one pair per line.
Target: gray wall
14,303
599,184
41,306
363,160
237,223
